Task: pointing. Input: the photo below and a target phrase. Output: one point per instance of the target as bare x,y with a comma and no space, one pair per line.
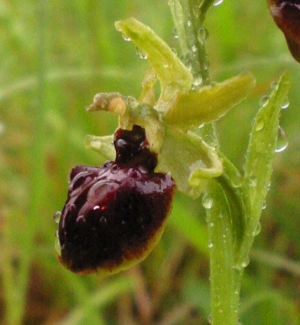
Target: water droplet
56,216
126,38
209,319
264,205
210,244
257,230
211,140
175,32
259,125
286,103
282,142
264,101
246,262
202,35
207,201
274,85
141,54
210,224
197,80
252,181
194,48
189,23
196,11
217,2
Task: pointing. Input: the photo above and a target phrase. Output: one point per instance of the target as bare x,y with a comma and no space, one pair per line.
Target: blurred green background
54,57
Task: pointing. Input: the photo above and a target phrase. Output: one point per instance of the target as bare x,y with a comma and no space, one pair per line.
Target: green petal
190,161
103,145
171,72
208,103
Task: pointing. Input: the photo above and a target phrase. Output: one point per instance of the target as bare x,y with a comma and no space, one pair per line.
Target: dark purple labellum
286,15
115,213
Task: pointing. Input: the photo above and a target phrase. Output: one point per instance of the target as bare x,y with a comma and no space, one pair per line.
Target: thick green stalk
188,18
219,201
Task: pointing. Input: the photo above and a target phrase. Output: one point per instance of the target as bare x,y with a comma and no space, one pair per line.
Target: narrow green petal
170,70
208,103
190,161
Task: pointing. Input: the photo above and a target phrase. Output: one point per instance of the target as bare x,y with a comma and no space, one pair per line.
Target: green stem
225,278
188,18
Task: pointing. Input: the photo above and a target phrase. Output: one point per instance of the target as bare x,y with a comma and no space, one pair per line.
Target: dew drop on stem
202,35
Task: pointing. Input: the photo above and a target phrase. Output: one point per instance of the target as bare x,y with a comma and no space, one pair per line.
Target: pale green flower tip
168,67
103,145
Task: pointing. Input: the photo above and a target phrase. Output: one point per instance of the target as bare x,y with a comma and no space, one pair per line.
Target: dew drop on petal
141,54
282,141
286,103
217,2
126,38
246,262
56,216
210,244
257,229
207,201
252,181
259,125
175,32
264,101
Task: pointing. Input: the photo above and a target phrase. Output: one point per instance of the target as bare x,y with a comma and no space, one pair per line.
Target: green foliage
55,57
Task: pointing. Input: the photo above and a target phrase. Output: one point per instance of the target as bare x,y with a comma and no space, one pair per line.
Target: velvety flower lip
115,213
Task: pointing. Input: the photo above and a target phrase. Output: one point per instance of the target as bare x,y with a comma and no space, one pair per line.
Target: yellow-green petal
209,103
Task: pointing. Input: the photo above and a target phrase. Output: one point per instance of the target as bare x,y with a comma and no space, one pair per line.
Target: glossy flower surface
286,15
115,213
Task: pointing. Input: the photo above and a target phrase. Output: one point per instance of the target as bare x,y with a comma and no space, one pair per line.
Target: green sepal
190,161
231,181
261,148
209,103
171,72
